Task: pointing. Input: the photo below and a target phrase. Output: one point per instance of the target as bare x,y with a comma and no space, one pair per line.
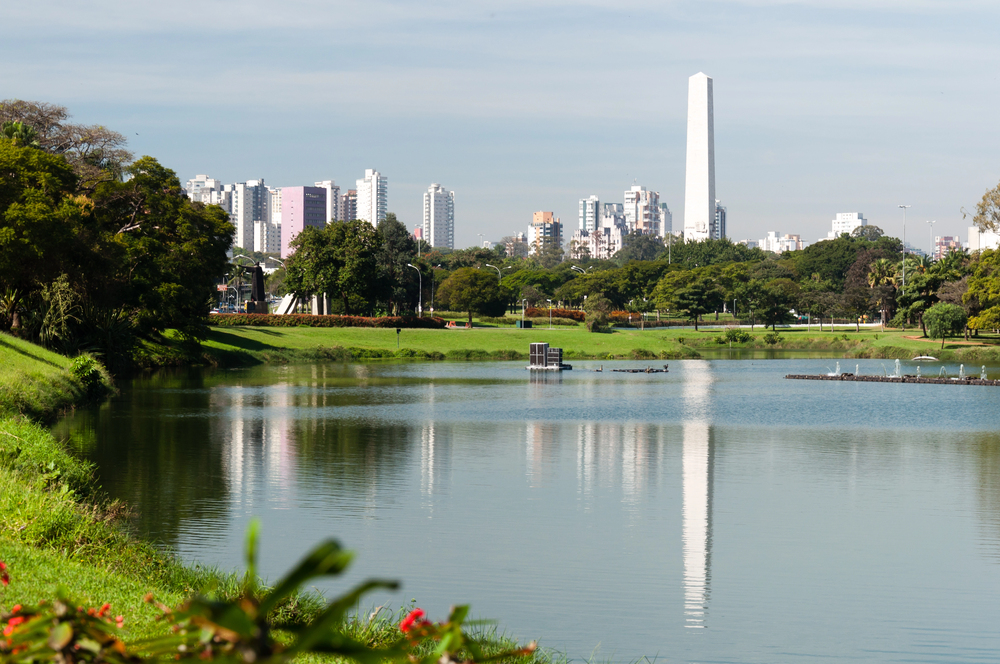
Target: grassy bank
59,530
243,346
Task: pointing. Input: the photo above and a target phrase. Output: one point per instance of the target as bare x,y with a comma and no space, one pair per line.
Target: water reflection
594,477
698,460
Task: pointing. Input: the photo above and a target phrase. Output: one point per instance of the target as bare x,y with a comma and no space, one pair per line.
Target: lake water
716,513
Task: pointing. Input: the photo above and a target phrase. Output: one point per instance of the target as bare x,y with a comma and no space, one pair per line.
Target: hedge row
305,320
575,314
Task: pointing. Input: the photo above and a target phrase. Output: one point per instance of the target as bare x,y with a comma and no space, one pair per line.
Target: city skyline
821,107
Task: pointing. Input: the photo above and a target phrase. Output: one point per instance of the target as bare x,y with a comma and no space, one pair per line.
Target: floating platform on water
647,370
849,377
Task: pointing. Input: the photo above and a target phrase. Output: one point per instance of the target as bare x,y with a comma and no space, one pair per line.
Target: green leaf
326,559
60,636
333,616
253,534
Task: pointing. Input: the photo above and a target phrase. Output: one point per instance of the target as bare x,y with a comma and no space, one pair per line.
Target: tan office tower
699,187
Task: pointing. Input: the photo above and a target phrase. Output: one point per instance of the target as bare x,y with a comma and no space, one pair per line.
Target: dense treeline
856,276
96,249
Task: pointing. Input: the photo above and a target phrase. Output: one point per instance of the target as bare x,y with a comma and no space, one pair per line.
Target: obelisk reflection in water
697,490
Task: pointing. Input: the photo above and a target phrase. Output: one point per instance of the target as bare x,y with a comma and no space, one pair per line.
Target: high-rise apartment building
590,213
544,231
718,229
203,189
945,244
846,222
349,205
666,220
301,207
275,195
372,197
642,211
439,217
699,186
248,205
332,200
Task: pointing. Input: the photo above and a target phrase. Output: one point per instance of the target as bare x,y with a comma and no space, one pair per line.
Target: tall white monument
699,188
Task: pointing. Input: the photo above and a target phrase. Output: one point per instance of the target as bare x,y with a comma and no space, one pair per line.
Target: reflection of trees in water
353,454
162,464
985,451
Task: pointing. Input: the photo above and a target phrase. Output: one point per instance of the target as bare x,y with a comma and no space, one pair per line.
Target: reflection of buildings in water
611,454
697,469
435,458
257,448
427,459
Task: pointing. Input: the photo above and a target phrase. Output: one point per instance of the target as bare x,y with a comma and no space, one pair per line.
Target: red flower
4,578
104,609
15,608
414,616
14,622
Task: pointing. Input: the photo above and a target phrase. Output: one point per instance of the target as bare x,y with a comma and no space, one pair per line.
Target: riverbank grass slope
249,345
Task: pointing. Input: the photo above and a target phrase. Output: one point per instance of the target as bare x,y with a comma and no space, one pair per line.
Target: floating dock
647,370
543,358
849,377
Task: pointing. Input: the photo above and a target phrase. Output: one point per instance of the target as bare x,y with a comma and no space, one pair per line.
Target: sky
820,107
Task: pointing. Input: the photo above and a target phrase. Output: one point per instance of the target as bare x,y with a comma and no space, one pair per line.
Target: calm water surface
717,513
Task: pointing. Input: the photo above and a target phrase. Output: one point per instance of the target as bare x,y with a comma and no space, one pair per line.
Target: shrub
572,314
734,335
305,320
87,370
772,338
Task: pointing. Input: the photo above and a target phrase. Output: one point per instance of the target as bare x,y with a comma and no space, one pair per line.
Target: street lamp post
524,303
420,295
930,228
499,274
904,243
433,267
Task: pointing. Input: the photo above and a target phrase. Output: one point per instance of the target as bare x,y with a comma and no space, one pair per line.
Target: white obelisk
699,188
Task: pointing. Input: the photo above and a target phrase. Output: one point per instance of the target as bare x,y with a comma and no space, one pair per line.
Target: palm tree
882,273
19,133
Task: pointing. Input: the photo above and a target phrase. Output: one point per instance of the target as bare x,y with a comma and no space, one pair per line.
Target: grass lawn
503,342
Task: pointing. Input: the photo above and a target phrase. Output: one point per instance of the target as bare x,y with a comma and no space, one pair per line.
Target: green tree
855,303
165,253
473,291
944,320
870,233
339,259
550,255
396,252
637,246
983,293
830,259
777,298
698,299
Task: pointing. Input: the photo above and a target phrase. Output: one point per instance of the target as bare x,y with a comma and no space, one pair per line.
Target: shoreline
239,346
60,529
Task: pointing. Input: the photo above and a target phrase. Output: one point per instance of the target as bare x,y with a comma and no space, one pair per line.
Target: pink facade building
300,207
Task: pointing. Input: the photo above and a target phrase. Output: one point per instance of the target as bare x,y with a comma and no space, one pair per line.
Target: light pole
499,274
930,228
420,295
904,243
524,303
550,313
433,267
